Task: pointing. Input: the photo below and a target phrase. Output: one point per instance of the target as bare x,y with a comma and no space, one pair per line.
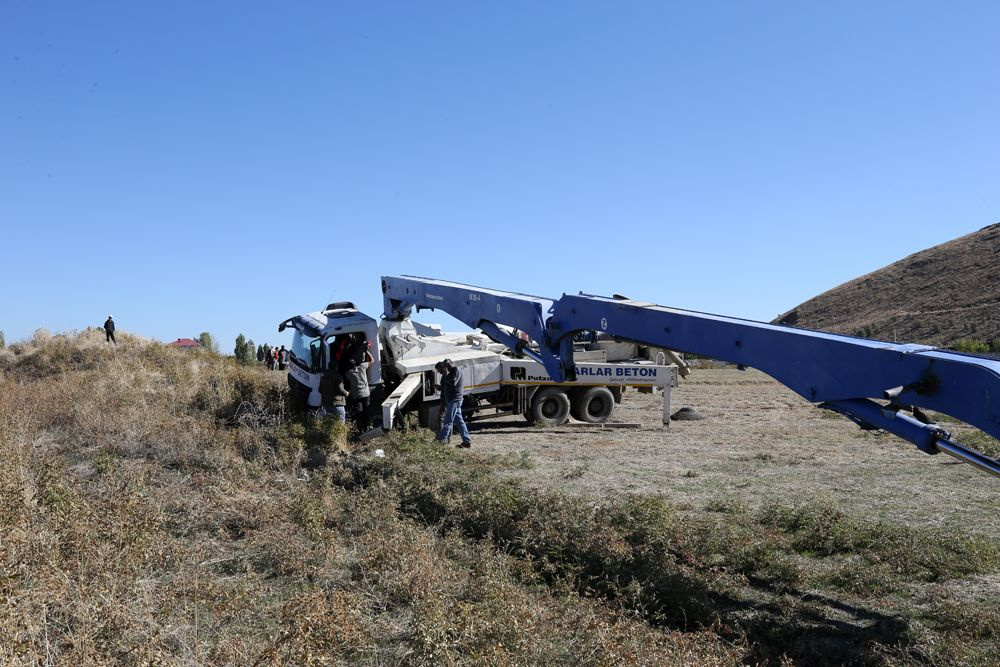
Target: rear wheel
470,404
550,407
593,405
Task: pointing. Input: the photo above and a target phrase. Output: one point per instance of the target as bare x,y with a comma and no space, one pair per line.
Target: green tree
208,342
3,342
250,358
260,354
240,351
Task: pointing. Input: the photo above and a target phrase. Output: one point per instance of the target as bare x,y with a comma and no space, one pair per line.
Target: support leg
666,406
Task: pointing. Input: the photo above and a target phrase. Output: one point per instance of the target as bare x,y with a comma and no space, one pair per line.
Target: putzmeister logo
517,373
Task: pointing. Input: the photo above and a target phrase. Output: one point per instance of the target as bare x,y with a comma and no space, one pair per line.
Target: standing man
282,358
109,330
333,392
359,391
452,391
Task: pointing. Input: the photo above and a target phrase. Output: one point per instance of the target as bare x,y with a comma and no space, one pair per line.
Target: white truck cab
314,345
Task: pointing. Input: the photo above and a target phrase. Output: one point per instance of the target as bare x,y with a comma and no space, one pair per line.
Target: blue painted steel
480,308
871,414
477,307
929,438
841,372
821,367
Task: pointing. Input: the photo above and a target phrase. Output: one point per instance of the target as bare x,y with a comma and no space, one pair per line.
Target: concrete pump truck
499,381
877,384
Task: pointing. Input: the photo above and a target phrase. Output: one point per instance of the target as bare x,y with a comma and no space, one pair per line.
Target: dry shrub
980,441
154,509
633,550
319,624
317,439
468,602
977,620
110,504
821,527
960,622
731,572
74,561
46,355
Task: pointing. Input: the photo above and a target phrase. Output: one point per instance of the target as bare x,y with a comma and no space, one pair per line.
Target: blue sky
221,166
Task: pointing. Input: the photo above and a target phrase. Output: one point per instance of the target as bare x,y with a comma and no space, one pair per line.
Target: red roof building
185,343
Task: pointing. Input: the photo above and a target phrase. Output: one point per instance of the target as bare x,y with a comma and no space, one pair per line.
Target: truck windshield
306,350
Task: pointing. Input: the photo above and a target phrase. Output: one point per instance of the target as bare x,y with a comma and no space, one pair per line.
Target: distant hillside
937,296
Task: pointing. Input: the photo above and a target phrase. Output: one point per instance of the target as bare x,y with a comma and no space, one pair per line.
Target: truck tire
593,405
550,407
470,405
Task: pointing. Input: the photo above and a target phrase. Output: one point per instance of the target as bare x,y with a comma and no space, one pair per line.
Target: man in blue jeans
452,390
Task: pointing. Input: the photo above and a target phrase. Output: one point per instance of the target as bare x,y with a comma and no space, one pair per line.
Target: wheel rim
597,407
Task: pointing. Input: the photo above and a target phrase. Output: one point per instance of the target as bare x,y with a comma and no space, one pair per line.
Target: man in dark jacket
333,392
452,391
109,330
359,396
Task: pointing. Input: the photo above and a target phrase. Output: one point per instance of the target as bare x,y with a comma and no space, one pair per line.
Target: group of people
344,387
276,358
346,394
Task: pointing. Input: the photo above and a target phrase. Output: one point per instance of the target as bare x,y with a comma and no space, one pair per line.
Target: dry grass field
163,507
759,443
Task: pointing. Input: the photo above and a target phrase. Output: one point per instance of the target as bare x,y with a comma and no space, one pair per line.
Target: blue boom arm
477,307
838,372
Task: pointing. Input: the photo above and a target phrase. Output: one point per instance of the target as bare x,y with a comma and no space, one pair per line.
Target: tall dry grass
814,584
160,506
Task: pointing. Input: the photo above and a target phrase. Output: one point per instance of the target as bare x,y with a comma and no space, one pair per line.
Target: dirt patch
759,442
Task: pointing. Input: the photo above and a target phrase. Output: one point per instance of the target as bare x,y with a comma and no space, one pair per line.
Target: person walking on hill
452,392
282,358
109,330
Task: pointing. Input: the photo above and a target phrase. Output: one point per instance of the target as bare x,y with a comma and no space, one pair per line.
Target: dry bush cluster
812,583
159,506
163,507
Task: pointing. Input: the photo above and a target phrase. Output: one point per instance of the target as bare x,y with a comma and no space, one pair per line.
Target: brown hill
937,296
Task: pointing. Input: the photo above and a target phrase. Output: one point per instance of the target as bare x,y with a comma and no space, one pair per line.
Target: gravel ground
758,442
